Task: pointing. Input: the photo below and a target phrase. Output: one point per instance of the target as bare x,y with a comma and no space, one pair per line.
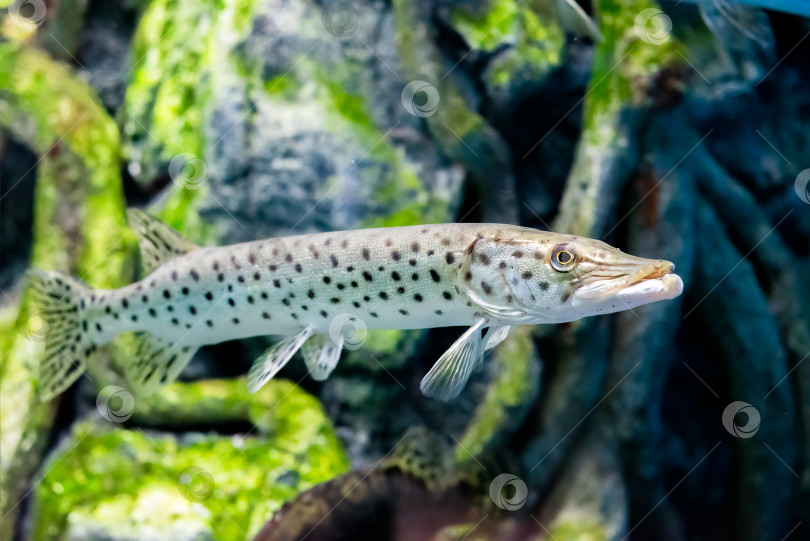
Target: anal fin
449,375
159,243
274,359
157,363
321,355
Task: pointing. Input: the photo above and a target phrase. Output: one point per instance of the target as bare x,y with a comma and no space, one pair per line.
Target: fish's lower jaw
666,287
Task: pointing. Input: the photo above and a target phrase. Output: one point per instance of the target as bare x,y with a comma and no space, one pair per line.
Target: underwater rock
54,113
104,482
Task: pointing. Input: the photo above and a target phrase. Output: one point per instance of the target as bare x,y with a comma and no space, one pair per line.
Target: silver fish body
308,287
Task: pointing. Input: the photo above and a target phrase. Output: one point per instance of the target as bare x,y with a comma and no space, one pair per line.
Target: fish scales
402,278
309,288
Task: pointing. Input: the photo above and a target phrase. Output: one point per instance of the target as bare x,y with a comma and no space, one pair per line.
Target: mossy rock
106,482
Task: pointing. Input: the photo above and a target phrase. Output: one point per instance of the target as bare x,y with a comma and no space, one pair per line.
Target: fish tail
58,317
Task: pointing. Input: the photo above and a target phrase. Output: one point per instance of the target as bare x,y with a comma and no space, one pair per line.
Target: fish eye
563,257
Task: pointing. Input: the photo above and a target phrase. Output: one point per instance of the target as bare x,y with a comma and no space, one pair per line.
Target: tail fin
57,312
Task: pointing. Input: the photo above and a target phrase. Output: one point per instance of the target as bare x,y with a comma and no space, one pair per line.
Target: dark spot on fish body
414,277
334,300
285,301
192,310
240,279
324,314
174,276
288,258
486,287
125,302
502,265
544,286
265,315
340,286
251,258
209,295
417,297
235,321
526,275
264,295
366,298
195,276
152,312
215,266
450,258
311,294
366,254
209,322
439,312
383,295
294,315
272,268
170,308
435,275
373,314
447,295
356,304
367,276
184,291
334,260
257,276
250,299
403,312
326,279
468,276
175,321
299,268
277,283
400,290
381,268
220,277
517,254
415,247
396,255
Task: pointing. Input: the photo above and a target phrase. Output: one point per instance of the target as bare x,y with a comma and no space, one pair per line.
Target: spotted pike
312,289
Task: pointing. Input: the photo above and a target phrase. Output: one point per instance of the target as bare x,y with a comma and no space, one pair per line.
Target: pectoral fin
449,375
496,335
321,355
274,359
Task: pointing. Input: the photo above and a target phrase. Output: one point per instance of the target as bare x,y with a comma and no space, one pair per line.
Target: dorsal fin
159,243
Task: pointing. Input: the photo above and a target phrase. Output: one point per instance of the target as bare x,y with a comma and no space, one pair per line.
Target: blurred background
676,130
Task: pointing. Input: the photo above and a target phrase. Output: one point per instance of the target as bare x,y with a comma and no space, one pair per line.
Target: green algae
57,115
228,485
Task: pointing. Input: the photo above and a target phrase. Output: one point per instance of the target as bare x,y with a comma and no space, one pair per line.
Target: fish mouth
650,282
